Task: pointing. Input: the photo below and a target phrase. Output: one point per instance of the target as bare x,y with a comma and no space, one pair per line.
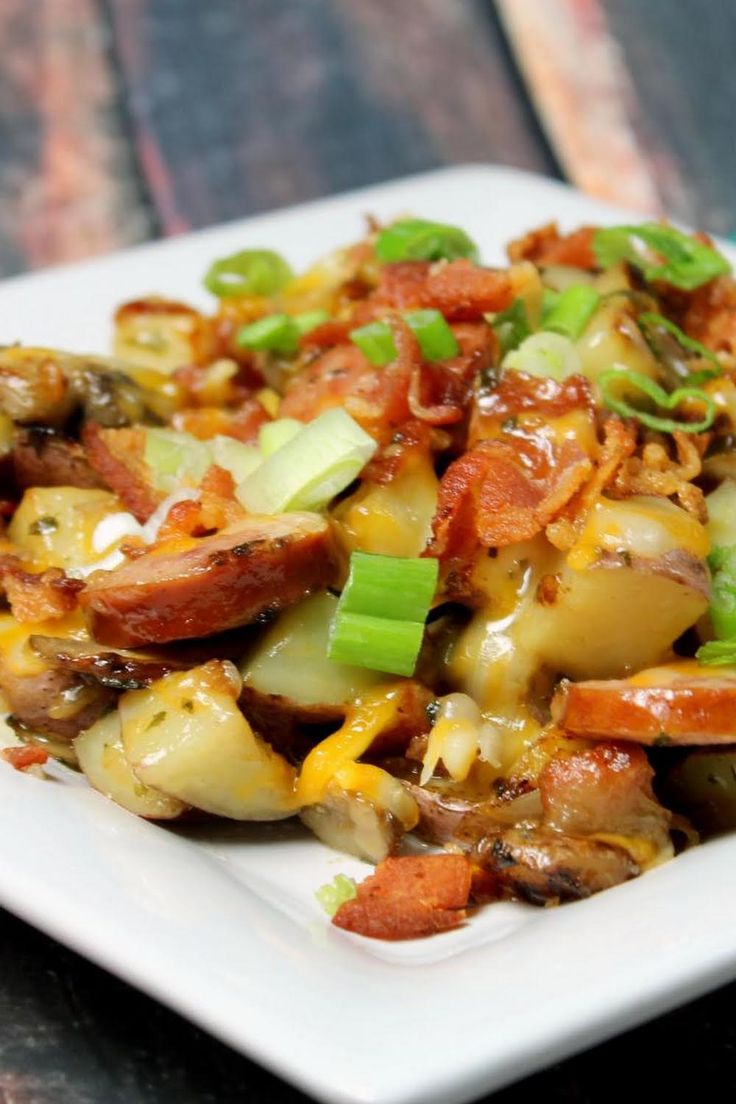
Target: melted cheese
16,654
642,526
393,519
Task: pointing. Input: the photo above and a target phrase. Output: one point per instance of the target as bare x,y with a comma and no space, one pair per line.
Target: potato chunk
102,758
185,736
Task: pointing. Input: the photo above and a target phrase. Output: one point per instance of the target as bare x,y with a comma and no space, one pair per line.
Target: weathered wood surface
125,119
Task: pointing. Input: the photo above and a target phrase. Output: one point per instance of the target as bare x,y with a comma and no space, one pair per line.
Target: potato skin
218,583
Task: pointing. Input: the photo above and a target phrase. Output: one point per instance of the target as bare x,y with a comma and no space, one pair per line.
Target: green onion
512,326
395,587
274,435
572,310
687,263
276,333
614,382
419,240
250,272
376,642
545,354
239,459
376,342
309,320
174,457
336,893
436,339
380,617
722,608
717,653
309,470
721,524
652,325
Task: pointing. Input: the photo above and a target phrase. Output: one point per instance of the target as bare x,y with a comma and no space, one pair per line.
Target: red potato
214,583
681,704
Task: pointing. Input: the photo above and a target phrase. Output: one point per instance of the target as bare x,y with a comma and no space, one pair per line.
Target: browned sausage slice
212,583
679,704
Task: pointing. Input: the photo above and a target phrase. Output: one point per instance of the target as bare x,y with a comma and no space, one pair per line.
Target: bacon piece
518,394
42,458
117,455
606,788
325,382
409,897
657,707
546,246
212,584
461,290
214,509
24,757
710,315
502,492
36,596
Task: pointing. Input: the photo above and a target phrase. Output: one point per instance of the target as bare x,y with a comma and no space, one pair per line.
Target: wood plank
67,185
242,107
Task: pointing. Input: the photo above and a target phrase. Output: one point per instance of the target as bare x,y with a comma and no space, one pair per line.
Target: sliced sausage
43,458
214,583
683,704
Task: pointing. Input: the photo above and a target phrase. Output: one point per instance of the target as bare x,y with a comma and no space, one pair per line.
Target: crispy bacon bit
518,395
326,382
214,509
710,316
503,491
411,440
38,597
409,897
24,757
546,246
461,290
658,707
656,473
603,789
618,444
118,456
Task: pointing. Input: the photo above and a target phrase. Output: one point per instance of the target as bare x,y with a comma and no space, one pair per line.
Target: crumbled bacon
503,491
461,290
409,897
519,395
118,456
214,508
24,757
242,422
655,472
710,315
546,246
35,596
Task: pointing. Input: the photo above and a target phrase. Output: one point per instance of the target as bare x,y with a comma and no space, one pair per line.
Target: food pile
405,546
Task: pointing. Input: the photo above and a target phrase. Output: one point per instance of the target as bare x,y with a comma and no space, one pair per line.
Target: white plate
221,923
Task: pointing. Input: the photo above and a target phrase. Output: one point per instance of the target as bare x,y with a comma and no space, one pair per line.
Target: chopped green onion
616,381
376,642
309,470
309,320
380,617
336,893
174,457
436,339
686,263
549,301
239,459
722,561
572,310
273,435
721,504
717,653
376,342
419,240
511,326
545,354
652,325
250,272
276,333
400,588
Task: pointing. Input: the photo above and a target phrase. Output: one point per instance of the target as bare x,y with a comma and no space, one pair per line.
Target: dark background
122,120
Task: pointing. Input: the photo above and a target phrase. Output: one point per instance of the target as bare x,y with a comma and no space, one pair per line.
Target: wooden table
126,119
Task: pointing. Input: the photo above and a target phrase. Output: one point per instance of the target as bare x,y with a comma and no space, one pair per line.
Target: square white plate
221,923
